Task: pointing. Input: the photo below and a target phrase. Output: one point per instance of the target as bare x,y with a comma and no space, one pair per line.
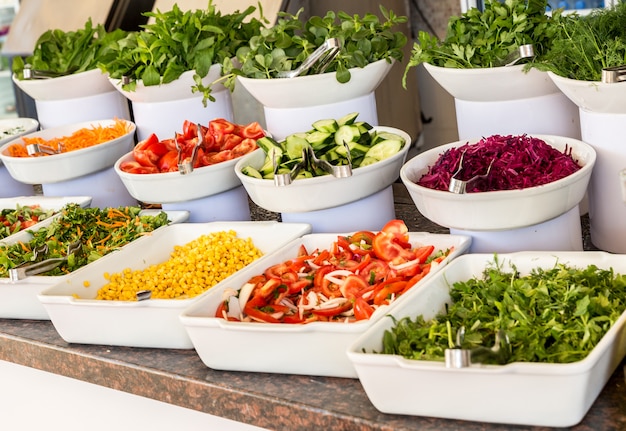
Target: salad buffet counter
272,401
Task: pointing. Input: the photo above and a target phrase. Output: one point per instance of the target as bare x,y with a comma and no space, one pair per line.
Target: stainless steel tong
324,54
311,162
458,357
611,75
36,149
457,185
523,51
185,166
29,73
29,268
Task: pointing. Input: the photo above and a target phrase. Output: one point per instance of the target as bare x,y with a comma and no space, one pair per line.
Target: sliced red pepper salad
346,282
223,141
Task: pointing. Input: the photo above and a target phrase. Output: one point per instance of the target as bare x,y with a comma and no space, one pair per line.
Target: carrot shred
80,139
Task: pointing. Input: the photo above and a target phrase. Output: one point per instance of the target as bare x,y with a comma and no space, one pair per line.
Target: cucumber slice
329,126
383,136
251,172
384,149
294,144
368,161
319,140
347,134
363,126
347,119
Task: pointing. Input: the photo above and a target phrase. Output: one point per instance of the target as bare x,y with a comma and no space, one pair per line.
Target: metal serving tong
186,166
458,186
325,53
29,73
36,149
523,51
311,162
29,268
611,75
458,357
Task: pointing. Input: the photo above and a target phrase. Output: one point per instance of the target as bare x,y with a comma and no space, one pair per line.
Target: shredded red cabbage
518,162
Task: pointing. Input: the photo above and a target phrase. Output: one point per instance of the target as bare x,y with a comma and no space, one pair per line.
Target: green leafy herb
178,41
283,47
71,51
487,38
554,315
586,44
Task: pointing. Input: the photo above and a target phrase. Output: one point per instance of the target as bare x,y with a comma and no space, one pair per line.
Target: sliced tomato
148,151
252,131
230,141
375,271
354,287
190,129
259,315
387,247
134,167
219,128
398,229
333,311
422,253
362,310
244,147
169,162
282,272
216,157
387,289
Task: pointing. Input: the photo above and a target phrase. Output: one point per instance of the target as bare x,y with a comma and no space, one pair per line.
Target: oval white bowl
492,84
73,86
66,166
170,187
499,210
175,90
315,90
594,96
318,193
11,128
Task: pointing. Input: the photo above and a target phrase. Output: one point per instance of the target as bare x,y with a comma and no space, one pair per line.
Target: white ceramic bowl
532,394
73,164
316,90
152,323
499,210
175,90
594,96
492,84
11,128
170,187
316,348
318,193
73,86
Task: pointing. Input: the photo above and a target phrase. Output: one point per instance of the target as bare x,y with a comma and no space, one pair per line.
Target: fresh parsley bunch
283,47
69,52
178,41
487,38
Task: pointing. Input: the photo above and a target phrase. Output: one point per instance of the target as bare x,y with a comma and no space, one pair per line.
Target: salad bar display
303,259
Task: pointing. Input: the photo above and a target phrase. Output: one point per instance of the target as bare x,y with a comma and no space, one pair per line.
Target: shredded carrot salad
82,138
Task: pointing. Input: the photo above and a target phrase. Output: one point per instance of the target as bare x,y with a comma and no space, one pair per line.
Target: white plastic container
533,394
316,348
18,300
151,323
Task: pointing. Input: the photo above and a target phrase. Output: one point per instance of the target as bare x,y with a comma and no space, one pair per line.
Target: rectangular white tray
316,348
536,394
151,323
18,299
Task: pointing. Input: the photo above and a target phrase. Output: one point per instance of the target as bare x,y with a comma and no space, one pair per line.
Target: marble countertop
274,401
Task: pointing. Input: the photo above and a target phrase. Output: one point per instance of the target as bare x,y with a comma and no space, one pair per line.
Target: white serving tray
316,348
18,299
151,323
46,203
533,394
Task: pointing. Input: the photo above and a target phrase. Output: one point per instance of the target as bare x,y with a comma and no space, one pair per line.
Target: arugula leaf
553,315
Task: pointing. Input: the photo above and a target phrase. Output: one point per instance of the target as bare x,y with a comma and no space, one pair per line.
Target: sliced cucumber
368,161
384,149
319,140
329,126
383,136
294,144
347,134
347,119
251,172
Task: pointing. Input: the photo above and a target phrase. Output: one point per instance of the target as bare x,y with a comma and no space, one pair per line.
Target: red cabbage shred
519,162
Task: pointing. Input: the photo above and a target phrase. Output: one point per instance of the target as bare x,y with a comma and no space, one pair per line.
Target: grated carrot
82,138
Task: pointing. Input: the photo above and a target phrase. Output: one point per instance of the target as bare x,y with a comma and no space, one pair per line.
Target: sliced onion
244,295
333,276
332,303
229,292
404,265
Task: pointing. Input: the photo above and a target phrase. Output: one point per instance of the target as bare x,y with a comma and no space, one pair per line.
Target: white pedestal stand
562,233
166,118
370,213
105,187
9,188
551,114
281,122
103,106
607,189
231,205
